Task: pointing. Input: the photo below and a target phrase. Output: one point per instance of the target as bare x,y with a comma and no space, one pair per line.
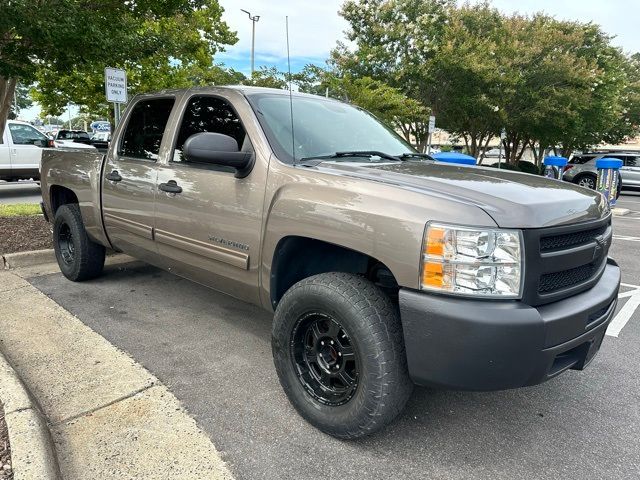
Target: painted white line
629,285
624,315
630,293
627,238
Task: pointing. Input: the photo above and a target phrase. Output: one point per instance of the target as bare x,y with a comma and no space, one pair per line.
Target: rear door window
145,129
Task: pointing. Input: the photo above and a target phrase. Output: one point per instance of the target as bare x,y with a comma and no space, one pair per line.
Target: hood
512,199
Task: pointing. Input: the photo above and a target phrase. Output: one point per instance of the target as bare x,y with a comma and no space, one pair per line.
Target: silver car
582,169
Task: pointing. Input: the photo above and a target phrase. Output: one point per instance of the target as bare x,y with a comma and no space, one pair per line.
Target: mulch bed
6,473
21,234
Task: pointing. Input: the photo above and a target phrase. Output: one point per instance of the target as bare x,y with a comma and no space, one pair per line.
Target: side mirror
40,143
217,149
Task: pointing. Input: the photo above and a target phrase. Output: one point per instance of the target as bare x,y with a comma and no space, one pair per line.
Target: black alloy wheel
325,359
66,245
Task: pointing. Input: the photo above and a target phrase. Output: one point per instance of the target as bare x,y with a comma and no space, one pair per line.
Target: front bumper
471,344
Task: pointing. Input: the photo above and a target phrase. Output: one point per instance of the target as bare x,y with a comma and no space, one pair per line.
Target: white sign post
432,128
115,85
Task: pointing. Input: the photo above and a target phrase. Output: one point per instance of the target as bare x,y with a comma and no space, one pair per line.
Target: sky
315,27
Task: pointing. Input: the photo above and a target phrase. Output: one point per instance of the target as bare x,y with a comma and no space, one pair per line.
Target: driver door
209,231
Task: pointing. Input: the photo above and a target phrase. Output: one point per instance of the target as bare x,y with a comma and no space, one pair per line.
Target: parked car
72,139
493,153
101,140
582,171
383,267
21,147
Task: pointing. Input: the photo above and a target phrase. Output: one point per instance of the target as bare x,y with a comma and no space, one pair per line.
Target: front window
25,134
321,127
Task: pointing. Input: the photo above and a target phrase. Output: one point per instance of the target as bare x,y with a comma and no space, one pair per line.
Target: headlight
482,262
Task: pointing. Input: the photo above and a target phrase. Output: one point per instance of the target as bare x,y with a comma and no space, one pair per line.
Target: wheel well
61,196
296,258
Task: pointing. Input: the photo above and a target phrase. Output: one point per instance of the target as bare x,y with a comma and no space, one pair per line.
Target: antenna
293,141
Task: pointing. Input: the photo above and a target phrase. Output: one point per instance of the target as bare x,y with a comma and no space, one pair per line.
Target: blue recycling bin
608,178
455,157
554,167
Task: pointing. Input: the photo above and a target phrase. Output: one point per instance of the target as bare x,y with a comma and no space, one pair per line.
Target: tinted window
145,128
632,162
209,114
72,135
25,134
581,159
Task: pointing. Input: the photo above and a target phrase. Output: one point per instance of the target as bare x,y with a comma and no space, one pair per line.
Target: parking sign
115,84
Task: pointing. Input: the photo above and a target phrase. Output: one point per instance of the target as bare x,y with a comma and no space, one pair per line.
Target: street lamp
253,19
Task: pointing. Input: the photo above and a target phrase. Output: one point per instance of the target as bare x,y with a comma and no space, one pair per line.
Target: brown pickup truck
384,268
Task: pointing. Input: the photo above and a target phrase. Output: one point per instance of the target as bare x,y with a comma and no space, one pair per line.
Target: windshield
322,127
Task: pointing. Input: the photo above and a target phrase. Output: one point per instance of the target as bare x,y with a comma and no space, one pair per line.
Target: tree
467,75
21,101
169,37
395,41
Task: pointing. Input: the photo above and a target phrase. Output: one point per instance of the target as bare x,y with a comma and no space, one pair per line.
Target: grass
20,209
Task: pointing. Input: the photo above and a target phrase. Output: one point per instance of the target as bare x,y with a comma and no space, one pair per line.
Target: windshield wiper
354,154
407,155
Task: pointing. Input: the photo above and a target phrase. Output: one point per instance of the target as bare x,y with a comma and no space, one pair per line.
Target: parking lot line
627,238
626,312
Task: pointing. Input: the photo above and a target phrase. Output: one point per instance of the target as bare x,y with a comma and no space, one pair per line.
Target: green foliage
19,209
506,166
528,167
548,82
160,44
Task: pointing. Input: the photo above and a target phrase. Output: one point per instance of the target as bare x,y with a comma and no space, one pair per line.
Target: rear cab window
145,129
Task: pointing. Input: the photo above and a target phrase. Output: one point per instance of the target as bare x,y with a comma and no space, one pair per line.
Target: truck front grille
567,240
562,261
551,282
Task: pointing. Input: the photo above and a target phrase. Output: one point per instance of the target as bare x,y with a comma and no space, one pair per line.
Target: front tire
588,181
78,256
339,353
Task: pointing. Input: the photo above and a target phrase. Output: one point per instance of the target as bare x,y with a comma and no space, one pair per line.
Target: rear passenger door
129,177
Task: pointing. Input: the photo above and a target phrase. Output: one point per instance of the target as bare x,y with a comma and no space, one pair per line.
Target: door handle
170,187
113,176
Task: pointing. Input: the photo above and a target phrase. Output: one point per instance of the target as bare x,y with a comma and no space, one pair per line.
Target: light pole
254,19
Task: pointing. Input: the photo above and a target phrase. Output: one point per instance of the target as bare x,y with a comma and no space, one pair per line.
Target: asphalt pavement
214,354
20,192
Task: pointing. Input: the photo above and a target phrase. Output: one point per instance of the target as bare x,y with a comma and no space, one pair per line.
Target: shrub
528,167
506,166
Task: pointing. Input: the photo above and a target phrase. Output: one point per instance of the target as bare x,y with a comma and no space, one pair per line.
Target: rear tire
339,353
78,256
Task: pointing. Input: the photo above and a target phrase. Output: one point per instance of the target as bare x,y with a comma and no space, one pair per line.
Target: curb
28,259
619,212
33,455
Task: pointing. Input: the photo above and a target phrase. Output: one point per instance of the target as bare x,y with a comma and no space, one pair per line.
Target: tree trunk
7,89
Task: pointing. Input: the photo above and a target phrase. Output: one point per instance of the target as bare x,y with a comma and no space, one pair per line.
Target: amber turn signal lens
433,274
435,241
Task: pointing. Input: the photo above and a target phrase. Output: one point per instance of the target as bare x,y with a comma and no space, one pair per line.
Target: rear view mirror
217,149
